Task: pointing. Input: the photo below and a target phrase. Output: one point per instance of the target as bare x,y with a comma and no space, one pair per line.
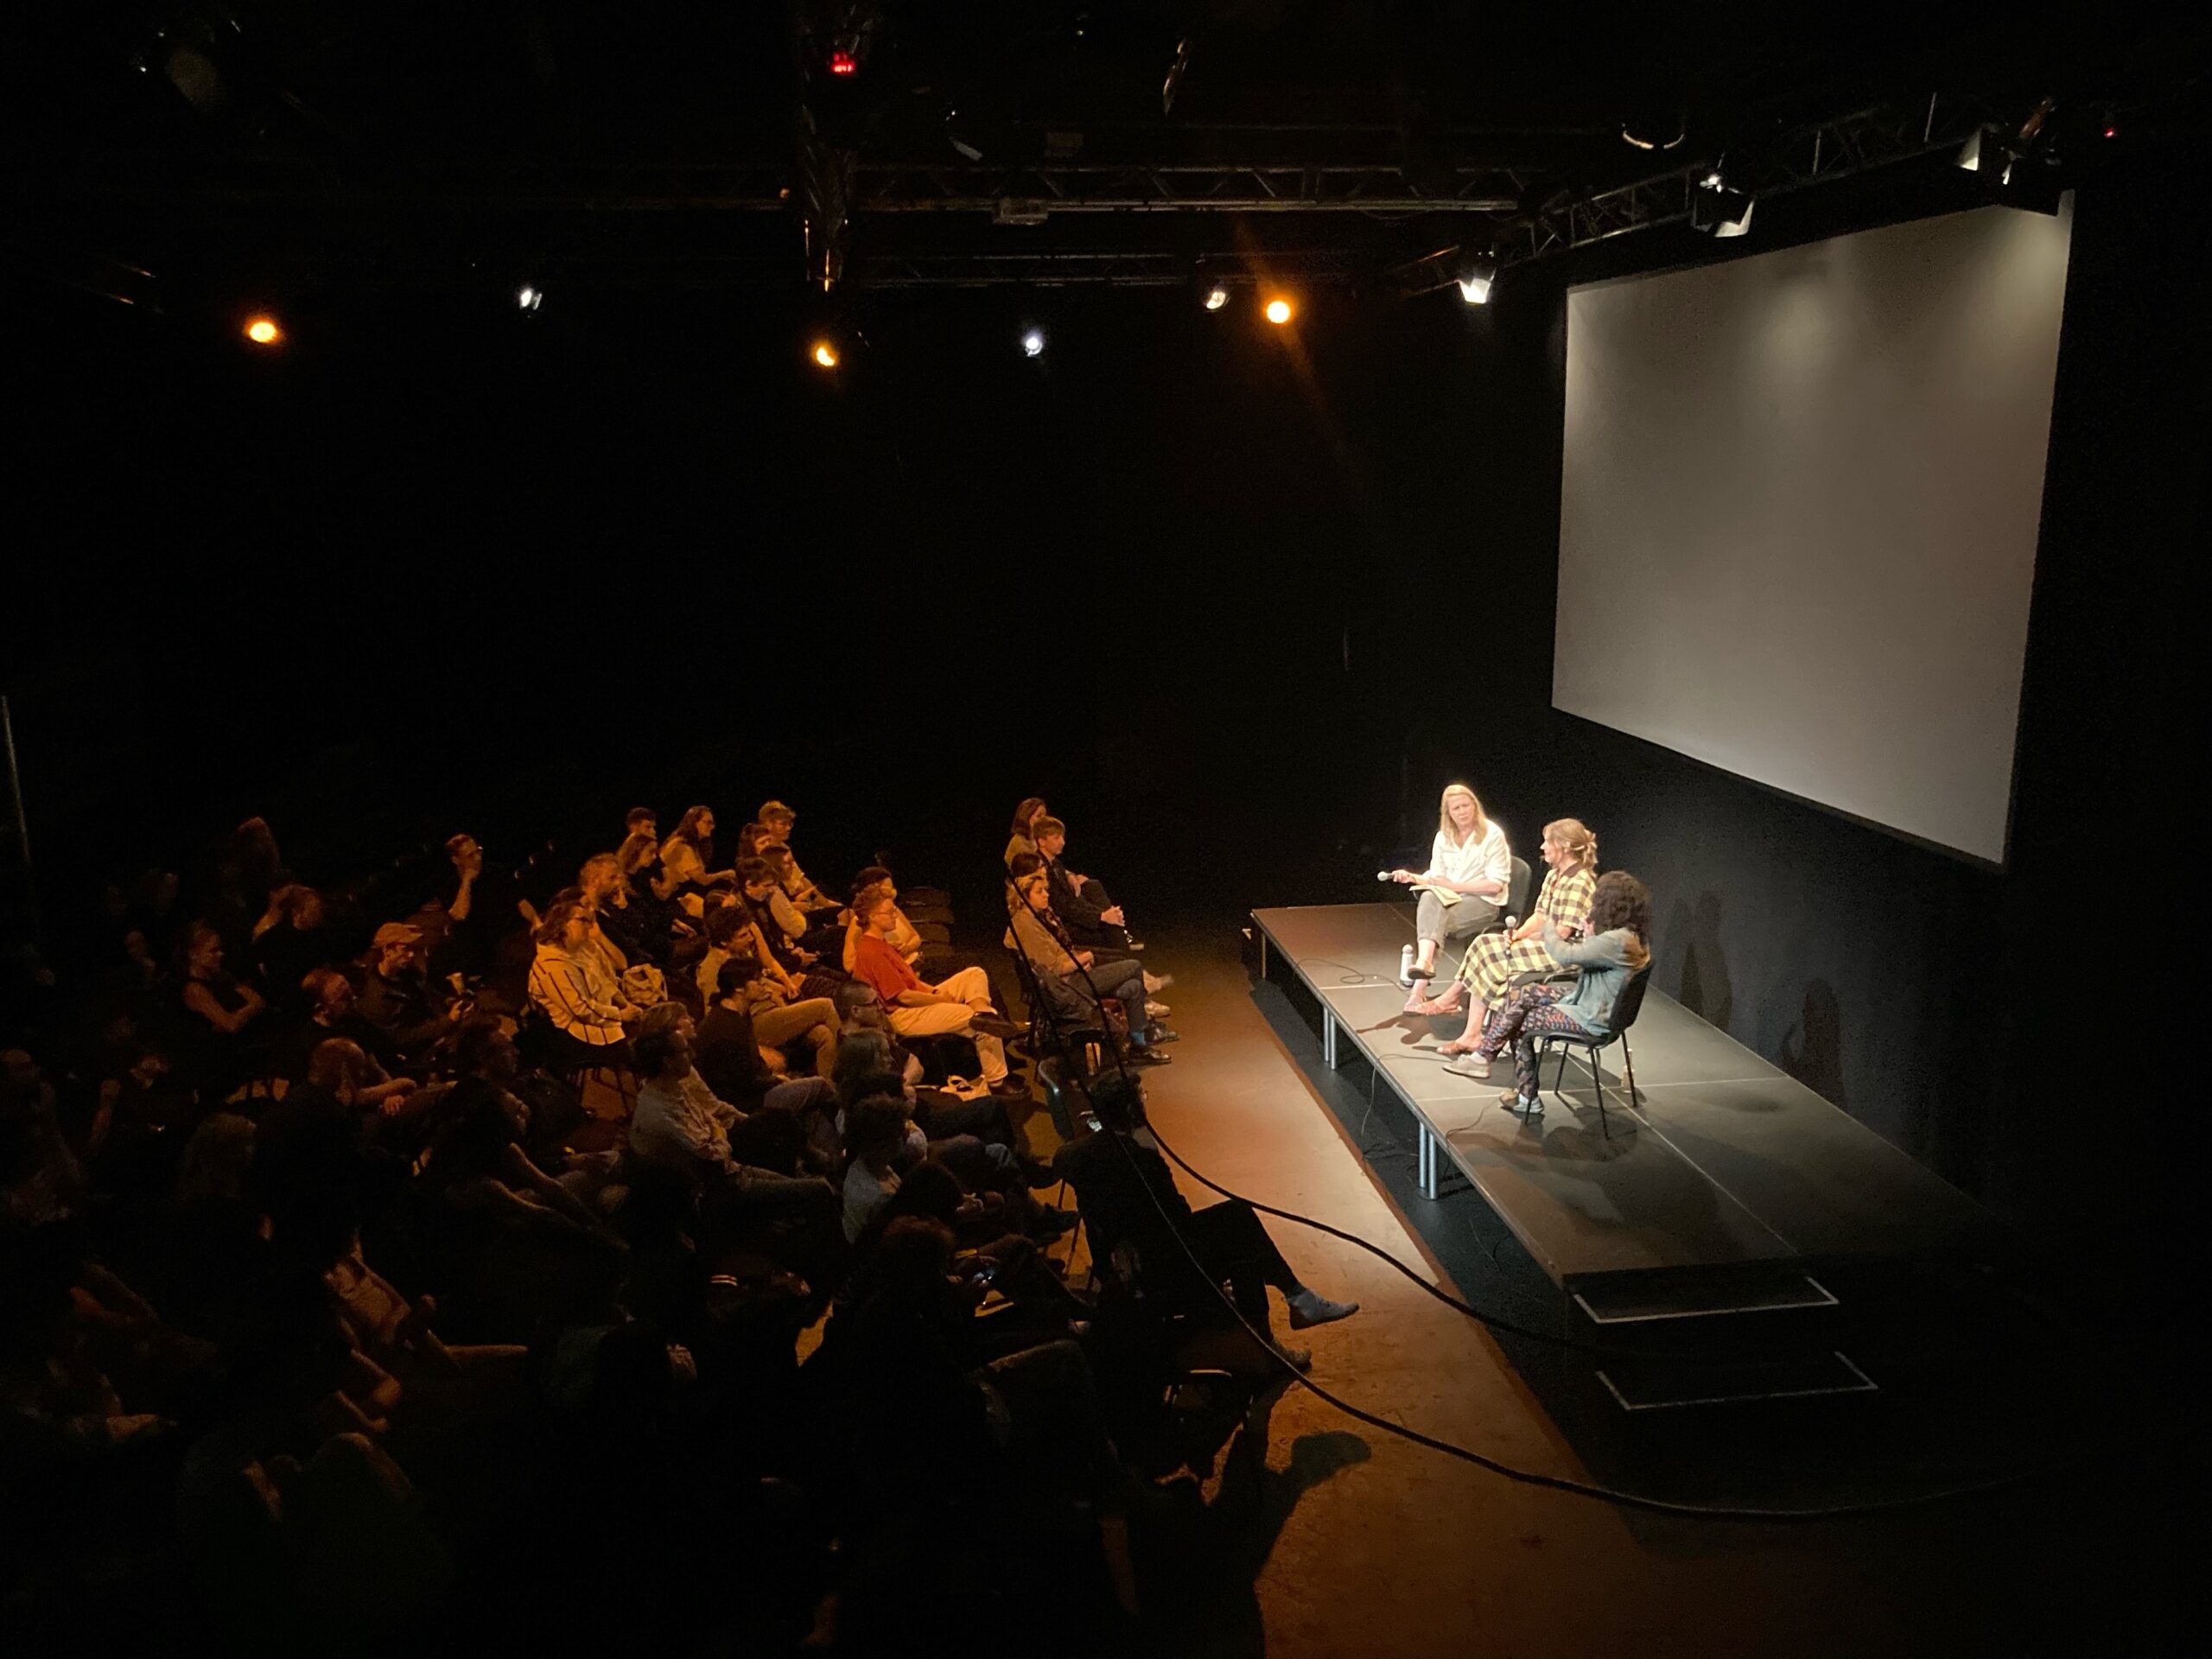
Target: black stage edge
1724,1188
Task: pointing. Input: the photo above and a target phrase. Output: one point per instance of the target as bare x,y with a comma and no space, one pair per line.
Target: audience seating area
479,1255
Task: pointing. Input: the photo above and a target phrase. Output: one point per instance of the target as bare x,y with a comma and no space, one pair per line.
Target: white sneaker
1158,1010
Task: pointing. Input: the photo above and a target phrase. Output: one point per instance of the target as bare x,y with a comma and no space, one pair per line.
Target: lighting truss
1065,269
1814,154
1029,193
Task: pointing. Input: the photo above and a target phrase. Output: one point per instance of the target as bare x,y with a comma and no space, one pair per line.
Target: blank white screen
1798,512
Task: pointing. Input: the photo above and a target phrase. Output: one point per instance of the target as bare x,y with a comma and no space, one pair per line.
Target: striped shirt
577,994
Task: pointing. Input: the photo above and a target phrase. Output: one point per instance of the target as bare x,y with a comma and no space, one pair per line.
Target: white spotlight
1717,210
1032,343
1217,296
1475,279
528,298
1986,151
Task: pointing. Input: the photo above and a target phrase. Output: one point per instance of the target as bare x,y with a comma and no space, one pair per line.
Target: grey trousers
1461,921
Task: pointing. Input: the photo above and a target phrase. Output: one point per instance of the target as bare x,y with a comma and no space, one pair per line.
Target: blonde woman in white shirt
1464,888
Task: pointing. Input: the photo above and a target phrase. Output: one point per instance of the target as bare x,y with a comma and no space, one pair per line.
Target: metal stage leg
1330,1046
1427,1167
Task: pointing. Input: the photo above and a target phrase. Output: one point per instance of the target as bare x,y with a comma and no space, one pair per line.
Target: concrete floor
1359,1544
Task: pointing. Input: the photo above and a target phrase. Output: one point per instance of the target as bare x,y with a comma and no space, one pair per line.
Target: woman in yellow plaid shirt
1496,960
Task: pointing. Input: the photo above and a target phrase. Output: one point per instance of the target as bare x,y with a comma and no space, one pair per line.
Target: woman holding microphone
1464,888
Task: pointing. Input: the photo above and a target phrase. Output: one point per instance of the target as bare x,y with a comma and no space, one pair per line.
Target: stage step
1662,1384
1641,1298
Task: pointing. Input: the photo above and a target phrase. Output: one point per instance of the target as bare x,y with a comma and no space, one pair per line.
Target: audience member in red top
955,1005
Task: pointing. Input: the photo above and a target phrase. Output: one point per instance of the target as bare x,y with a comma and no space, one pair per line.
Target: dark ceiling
161,150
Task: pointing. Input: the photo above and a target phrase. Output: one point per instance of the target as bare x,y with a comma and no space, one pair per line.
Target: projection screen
1798,512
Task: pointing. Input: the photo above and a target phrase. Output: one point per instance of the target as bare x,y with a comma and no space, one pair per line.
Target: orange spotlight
263,331
1278,311
824,353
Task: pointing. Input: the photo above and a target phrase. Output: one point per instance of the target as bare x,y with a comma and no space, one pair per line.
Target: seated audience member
998,1169
632,933
682,1125
1073,979
219,1050
248,869
398,999
1081,903
687,869
780,1021
642,821
763,882
868,1063
778,821
436,1382
927,1417
729,933
1018,1269
1126,1193
41,1179
662,920
875,1139
870,886
954,1006
334,1010
1496,960
1025,823
1617,950
292,937
312,1149
923,932
512,1245
778,926
570,986
728,1053
484,908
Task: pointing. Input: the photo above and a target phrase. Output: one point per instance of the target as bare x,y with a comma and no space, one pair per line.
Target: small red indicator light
843,63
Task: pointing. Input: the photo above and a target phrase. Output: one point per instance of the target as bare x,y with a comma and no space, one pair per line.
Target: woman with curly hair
1618,948
1496,960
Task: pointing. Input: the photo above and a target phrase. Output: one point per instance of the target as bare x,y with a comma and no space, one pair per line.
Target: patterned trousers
1520,1019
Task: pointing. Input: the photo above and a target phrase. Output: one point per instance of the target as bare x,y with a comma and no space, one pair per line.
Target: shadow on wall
1705,990
1812,1050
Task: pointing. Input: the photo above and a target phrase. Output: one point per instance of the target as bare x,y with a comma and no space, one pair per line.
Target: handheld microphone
1382,876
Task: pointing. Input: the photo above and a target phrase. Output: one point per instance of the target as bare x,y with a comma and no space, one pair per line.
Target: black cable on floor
1465,1454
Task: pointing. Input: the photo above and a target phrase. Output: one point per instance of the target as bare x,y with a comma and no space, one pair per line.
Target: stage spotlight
1217,296
1987,152
824,355
528,298
1718,211
1032,343
263,330
1278,311
1475,276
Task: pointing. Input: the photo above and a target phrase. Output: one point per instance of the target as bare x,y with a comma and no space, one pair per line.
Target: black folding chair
1625,1008
1049,1034
1060,1106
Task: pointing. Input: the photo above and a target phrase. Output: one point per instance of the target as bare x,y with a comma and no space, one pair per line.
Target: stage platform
1721,1188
